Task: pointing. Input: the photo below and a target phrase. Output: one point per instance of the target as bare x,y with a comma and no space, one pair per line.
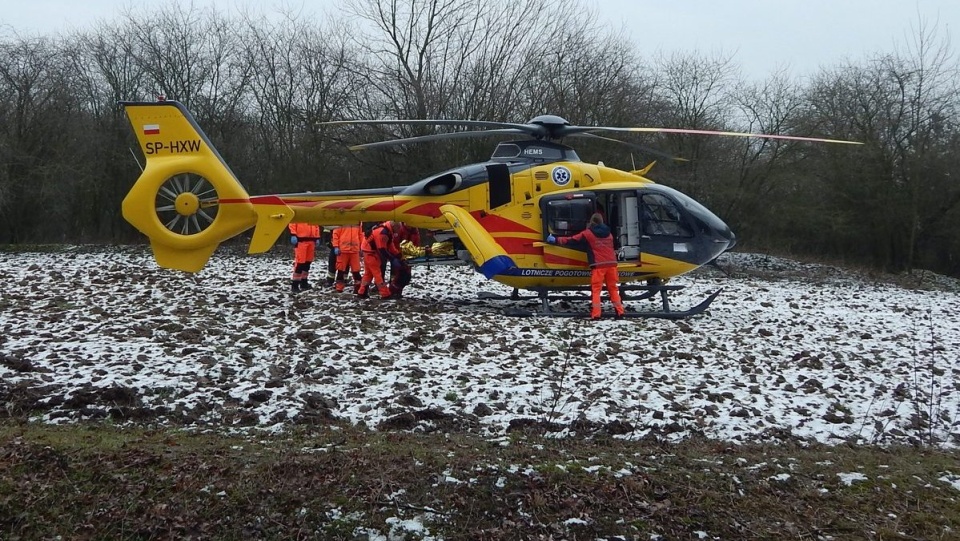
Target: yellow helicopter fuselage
500,211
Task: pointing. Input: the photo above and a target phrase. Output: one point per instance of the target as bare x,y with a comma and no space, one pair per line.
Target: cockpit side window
443,184
661,217
568,216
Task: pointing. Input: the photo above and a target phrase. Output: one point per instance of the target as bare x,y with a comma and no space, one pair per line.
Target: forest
262,88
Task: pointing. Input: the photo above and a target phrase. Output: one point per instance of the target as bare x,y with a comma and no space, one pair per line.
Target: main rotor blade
551,128
728,133
420,122
438,137
641,148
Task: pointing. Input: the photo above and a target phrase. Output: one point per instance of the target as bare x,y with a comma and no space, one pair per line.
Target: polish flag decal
151,129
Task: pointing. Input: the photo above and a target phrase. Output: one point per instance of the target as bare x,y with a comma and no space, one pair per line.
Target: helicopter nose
723,236
731,239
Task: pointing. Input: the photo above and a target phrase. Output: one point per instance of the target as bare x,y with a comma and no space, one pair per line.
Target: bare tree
904,106
305,76
104,75
413,46
762,178
587,75
697,91
494,79
191,55
470,59
36,105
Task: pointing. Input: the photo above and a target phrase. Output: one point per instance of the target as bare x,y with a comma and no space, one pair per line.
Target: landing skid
648,291
626,293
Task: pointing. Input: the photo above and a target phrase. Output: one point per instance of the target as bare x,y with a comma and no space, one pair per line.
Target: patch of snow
369,534
951,479
400,528
851,478
830,357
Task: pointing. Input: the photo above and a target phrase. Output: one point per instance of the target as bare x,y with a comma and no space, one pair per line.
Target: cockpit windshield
697,210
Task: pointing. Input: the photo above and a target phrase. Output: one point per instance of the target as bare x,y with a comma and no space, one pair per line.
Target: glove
551,239
293,240
336,251
396,262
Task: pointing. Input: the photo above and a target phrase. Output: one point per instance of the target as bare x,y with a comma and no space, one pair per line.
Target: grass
109,482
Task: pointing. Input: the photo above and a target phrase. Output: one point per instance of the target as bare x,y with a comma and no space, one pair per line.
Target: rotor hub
187,204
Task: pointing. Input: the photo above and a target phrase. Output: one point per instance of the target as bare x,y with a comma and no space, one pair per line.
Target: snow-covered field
786,351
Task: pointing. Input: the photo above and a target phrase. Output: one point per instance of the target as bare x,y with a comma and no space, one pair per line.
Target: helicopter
495,215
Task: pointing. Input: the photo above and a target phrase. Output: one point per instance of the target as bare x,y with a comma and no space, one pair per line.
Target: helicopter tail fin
645,170
187,200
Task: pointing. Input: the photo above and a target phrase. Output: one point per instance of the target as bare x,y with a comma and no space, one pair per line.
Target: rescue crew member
401,274
304,238
346,246
331,257
597,241
377,248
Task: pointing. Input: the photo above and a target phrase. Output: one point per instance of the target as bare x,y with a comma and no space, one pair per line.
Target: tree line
262,87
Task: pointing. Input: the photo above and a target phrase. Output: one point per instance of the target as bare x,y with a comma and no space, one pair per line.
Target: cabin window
568,216
661,217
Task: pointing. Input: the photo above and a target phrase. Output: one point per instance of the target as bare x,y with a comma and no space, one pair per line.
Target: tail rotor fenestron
187,204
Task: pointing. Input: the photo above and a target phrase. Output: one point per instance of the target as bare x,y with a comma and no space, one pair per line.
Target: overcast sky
763,35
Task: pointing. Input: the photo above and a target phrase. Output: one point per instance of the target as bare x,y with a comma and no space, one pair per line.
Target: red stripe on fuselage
301,203
386,206
346,205
427,209
260,200
518,246
550,259
277,200
499,224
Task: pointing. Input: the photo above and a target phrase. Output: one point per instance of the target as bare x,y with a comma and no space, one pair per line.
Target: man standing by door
597,241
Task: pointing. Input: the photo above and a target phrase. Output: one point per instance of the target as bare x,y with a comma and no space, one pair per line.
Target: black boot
396,292
304,285
295,286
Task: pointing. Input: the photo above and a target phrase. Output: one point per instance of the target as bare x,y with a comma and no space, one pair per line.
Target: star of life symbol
561,176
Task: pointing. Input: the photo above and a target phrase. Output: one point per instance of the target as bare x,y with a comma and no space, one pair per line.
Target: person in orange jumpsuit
304,239
401,273
377,248
346,245
597,241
